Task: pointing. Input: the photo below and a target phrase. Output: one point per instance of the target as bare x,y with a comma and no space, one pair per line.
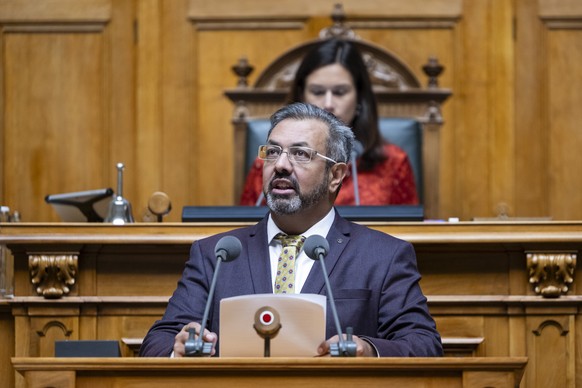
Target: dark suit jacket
373,276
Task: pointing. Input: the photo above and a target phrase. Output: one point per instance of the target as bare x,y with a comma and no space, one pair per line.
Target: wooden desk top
22,364
185,233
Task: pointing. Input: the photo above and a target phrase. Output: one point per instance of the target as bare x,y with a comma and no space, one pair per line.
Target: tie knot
291,240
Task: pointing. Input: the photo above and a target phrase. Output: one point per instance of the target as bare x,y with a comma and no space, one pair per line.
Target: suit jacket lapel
338,238
258,258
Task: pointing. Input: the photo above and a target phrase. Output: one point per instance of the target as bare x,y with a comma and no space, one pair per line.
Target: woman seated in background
333,76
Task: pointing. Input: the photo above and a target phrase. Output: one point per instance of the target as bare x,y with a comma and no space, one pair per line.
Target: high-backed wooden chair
410,114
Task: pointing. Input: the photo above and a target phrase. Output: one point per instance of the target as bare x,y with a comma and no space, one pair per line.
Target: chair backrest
406,133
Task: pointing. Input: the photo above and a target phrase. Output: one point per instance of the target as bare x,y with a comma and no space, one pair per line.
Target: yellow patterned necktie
285,280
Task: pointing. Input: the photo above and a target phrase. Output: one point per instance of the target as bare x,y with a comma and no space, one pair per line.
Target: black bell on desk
119,212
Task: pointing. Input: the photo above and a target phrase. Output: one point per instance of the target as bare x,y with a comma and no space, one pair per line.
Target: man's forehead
299,130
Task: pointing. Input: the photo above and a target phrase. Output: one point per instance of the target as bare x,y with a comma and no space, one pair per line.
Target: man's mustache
292,181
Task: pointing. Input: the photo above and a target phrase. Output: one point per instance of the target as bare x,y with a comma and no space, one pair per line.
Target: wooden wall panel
149,137
7,348
487,275
564,131
531,158
483,144
577,350
66,112
54,116
548,98
89,83
550,369
178,119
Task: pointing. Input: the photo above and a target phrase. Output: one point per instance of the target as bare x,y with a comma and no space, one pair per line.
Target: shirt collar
321,228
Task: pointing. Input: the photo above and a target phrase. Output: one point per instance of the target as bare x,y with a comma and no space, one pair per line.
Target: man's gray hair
340,139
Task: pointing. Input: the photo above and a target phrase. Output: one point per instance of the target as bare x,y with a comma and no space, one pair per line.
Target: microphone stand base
344,348
197,351
349,349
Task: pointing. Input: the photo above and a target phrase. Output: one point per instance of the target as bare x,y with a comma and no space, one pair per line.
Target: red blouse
389,183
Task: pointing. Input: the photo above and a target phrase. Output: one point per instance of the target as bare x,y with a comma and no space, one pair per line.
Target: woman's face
332,88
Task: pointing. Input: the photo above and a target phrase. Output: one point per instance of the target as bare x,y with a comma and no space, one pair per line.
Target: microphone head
267,322
357,149
228,248
315,246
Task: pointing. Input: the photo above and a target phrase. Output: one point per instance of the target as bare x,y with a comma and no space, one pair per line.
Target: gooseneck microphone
227,249
316,247
260,199
357,150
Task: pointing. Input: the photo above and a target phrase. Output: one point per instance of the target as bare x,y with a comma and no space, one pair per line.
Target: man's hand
363,348
182,336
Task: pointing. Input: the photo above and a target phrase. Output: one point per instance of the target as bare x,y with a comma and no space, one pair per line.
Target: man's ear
338,172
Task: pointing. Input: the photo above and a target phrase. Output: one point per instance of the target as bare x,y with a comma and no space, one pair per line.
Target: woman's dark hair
365,123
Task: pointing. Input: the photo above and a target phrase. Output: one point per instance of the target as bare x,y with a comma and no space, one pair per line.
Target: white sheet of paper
302,325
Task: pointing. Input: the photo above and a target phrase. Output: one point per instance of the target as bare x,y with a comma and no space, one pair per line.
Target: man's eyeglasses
271,153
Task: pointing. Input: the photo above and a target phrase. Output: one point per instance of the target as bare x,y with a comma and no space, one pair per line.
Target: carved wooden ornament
53,274
551,273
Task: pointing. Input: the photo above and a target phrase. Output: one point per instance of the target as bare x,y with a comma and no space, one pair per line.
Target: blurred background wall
86,84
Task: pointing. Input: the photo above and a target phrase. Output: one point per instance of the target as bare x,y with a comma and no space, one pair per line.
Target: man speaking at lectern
373,275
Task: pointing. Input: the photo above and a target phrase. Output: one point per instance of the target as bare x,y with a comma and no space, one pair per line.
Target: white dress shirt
303,263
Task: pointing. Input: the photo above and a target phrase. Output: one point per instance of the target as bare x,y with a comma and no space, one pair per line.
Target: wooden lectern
466,372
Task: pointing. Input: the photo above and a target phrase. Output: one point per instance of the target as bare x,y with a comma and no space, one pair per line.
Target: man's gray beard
282,204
